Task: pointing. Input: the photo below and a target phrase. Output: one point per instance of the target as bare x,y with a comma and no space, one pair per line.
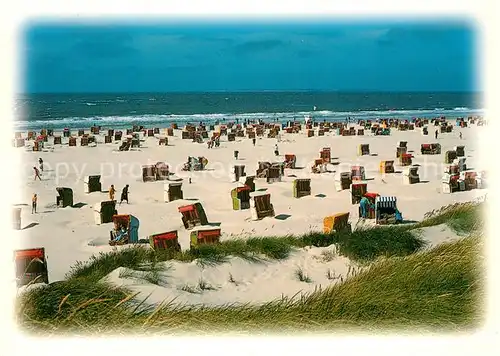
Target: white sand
70,234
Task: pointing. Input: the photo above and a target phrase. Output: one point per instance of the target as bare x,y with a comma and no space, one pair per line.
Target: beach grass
400,285
436,290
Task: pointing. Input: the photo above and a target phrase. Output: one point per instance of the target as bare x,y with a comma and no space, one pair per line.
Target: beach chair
135,143
193,215
310,133
72,142
449,156
385,210
81,133
170,131
361,132
249,182
84,141
172,191
336,223
66,133
400,151
410,175
204,235
165,241
131,224
469,179
148,173
262,168
118,135
16,218
430,148
240,197
231,137
326,155
31,266
386,167
238,172
290,161
452,169
358,190
405,159
318,166
92,184
150,133
358,173
460,150
18,142
450,183
321,132
64,197
301,187
343,181
364,150
108,139
57,140
125,146
260,205
460,162
104,212
274,173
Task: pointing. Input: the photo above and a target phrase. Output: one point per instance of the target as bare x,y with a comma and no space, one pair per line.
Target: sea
58,111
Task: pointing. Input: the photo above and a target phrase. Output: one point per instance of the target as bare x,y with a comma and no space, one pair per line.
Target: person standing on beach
276,151
37,173
34,201
40,163
112,192
124,194
460,135
436,134
254,140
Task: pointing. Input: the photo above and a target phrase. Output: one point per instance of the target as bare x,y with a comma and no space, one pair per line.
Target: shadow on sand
33,224
282,216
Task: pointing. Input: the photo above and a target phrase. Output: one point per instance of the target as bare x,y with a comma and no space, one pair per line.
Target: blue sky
163,57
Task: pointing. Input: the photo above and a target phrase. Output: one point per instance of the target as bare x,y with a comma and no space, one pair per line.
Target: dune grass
440,288
436,290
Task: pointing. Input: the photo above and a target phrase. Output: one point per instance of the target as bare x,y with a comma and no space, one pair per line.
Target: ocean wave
153,119
461,109
90,104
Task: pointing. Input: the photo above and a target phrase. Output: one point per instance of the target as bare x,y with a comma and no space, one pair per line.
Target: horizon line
254,91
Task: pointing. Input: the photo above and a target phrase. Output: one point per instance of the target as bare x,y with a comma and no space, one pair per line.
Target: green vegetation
440,288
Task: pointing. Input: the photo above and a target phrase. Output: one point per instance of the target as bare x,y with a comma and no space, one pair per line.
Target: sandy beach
70,234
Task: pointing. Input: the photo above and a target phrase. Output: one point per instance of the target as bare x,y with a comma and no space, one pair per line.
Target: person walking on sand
124,194
37,173
276,151
40,163
460,135
254,140
436,134
112,192
34,201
